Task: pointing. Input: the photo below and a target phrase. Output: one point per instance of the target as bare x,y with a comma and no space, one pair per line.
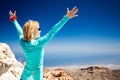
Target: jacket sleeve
45,39
18,28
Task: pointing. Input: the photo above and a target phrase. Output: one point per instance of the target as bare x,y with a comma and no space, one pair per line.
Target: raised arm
58,26
13,19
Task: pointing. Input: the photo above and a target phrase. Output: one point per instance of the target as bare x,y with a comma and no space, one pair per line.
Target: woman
33,45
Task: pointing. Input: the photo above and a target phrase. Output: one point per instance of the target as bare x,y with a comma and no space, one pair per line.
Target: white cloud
89,47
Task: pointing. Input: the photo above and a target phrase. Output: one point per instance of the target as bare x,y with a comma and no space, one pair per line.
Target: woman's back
34,53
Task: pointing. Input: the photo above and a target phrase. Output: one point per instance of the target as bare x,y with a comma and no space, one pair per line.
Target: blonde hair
29,30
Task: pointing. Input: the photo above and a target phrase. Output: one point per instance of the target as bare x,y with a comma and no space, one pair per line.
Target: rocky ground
11,69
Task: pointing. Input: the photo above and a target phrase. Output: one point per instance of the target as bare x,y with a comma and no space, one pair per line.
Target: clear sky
96,31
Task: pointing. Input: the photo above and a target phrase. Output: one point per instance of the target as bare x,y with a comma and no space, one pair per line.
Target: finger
67,9
75,15
10,12
14,12
73,8
76,11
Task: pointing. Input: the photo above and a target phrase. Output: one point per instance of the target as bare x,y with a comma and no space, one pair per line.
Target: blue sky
96,31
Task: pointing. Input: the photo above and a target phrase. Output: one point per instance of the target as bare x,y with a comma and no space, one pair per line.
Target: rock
10,68
57,74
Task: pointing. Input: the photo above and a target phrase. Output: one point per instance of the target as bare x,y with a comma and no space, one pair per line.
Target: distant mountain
94,73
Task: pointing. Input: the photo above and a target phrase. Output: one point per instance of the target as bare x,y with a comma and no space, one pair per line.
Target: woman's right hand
12,16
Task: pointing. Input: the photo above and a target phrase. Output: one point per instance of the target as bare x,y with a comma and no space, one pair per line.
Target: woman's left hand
72,13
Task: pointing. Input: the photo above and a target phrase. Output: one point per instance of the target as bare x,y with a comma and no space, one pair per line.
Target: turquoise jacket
34,51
